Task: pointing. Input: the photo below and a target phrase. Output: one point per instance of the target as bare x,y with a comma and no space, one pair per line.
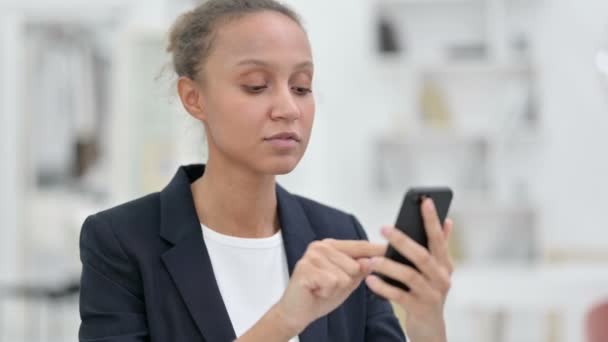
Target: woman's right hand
323,278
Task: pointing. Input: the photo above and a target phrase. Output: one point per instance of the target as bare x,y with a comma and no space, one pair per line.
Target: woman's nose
284,106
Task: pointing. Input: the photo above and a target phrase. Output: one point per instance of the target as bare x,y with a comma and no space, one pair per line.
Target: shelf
426,137
452,136
478,204
442,2
476,68
448,138
471,199
601,61
427,2
525,287
456,68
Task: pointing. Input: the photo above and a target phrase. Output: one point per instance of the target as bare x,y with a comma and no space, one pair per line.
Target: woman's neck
235,202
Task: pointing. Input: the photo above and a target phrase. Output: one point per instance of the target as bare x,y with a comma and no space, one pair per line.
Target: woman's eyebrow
258,62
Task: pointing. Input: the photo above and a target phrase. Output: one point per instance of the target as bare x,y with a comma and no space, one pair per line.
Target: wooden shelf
434,137
427,2
513,286
601,61
471,201
441,2
461,68
456,68
451,137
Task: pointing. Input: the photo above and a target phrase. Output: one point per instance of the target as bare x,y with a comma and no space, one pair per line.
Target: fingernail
367,266
386,231
373,261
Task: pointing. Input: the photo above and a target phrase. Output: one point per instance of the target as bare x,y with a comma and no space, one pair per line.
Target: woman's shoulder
142,210
331,222
127,224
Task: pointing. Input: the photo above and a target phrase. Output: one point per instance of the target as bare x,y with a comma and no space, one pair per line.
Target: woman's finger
438,235
404,274
357,248
339,278
448,226
418,255
328,282
331,280
320,261
347,264
391,293
433,228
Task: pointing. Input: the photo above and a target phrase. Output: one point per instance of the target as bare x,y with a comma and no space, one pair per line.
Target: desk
37,309
565,290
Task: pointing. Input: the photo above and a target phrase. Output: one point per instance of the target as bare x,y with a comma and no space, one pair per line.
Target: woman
223,252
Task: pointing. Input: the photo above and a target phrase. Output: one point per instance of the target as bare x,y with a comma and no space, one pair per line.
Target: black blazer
147,276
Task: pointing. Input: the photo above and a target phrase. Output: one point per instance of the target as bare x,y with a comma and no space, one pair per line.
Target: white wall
573,181
9,148
13,207
354,105
351,109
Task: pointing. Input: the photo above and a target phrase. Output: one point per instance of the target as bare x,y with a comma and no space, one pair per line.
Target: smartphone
410,221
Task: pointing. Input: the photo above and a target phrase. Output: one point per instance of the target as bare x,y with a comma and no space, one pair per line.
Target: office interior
505,101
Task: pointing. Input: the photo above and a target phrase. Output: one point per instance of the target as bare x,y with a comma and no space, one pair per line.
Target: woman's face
256,98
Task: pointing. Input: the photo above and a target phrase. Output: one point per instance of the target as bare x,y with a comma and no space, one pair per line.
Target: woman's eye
255,89
302,90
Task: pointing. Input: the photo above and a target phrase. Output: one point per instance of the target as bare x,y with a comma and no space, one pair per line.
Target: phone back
410,220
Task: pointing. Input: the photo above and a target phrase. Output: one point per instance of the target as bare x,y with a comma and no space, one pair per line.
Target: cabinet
468,116
151,132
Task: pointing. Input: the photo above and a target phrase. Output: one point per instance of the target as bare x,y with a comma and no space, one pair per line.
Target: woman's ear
191,97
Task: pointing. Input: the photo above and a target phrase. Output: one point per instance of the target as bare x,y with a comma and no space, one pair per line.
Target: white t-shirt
251,275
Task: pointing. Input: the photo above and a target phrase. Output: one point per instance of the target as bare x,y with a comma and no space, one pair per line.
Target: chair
596,323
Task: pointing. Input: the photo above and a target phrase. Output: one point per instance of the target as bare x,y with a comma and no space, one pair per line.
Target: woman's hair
191,36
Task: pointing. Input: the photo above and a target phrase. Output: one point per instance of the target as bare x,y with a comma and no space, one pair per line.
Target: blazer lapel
190,267
188,260
297,235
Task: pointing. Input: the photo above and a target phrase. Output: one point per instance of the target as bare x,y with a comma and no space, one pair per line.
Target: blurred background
506,101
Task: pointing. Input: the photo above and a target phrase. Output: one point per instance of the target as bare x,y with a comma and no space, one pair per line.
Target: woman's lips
283,143
284,140
285,135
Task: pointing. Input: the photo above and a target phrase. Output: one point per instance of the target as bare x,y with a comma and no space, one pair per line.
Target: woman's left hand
425,301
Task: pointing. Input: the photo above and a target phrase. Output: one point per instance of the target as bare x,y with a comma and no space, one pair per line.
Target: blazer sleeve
381,324
111,299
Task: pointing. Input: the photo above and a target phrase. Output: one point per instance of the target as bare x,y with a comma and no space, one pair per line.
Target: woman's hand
425,301
323,278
